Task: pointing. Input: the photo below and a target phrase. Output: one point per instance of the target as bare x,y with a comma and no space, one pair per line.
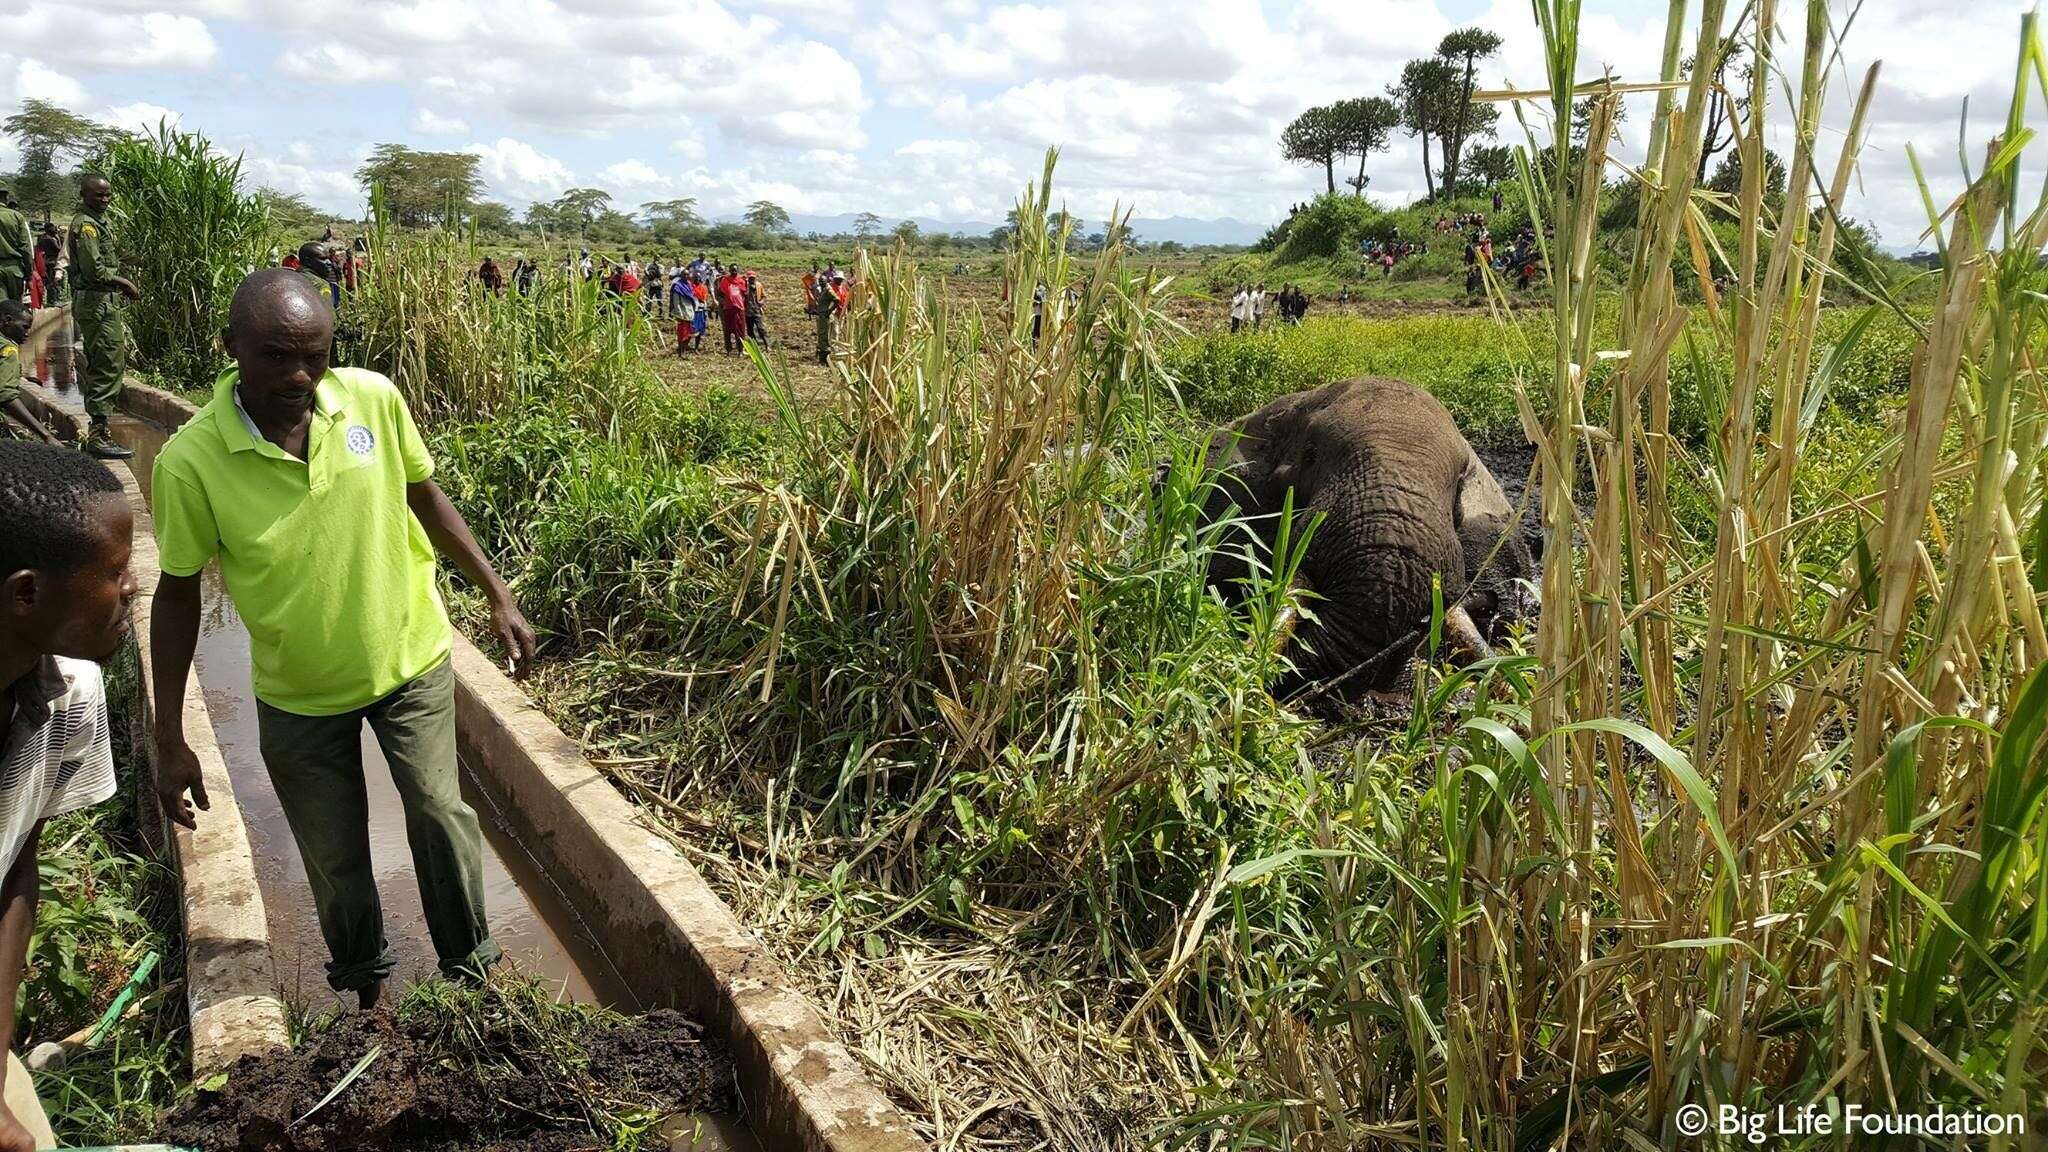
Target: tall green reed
457,351
188,234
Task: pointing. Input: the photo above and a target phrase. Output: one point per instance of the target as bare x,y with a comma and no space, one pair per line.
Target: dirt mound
417,1095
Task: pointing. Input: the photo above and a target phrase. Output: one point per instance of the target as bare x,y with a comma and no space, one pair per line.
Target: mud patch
465,1082
1511,459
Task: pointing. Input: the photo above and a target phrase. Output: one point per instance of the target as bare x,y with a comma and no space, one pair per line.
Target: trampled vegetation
928,681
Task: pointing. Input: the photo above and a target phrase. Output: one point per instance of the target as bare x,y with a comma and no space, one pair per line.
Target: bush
1333,226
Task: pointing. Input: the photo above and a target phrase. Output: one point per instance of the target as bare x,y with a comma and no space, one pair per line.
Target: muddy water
535,927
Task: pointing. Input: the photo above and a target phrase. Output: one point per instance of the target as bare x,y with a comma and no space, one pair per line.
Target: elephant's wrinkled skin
1403,498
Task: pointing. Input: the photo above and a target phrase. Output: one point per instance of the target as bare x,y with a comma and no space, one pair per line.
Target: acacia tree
583,206
1314,137
675,214
491,217
866,224
767,216
1463,119
422,187
1366,125
47,134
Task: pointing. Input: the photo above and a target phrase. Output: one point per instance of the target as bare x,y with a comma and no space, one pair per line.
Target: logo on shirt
361,440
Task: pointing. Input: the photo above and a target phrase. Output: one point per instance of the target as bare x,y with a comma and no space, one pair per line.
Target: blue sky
939,109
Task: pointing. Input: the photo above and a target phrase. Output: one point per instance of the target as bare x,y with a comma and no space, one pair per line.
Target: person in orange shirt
811,286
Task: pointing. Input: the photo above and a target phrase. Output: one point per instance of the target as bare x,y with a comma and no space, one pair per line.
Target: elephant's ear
1480,499
1238,474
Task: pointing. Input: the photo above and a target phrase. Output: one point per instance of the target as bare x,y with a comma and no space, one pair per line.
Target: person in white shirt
65,589
1240,308
1258,306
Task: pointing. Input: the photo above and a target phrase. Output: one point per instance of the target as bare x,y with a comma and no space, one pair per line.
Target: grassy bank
107,904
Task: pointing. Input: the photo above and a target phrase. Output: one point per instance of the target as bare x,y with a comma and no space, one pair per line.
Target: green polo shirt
330,571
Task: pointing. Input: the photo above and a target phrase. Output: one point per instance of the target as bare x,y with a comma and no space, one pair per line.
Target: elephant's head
1404,504
1500,567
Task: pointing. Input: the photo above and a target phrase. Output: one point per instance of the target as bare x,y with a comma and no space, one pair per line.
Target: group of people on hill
1521,260
1251,302
1384,254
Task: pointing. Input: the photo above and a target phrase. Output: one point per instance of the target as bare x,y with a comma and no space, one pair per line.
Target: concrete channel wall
672,937
230,984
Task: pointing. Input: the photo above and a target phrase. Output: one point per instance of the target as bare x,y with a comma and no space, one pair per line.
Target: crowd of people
692,295
1384,254
1522,260
1250,304
31,261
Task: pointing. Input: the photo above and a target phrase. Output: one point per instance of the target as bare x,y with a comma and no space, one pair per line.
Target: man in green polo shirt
312,489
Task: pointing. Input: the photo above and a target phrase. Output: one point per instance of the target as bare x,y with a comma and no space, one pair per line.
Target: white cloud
334,63
63,34
431,123
326,188
518,170
141,116
633,180
22,79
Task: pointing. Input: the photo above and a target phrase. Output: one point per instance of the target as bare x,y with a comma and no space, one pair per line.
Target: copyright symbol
1691,1120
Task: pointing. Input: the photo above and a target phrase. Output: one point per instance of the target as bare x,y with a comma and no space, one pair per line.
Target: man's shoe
367,998
103,447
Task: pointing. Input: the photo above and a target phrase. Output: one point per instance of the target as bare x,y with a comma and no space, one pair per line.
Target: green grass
1465,360
106,904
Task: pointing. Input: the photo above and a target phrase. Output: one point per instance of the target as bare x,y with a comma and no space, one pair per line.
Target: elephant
1403,498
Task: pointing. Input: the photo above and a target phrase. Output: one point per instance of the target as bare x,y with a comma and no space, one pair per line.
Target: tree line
1432,102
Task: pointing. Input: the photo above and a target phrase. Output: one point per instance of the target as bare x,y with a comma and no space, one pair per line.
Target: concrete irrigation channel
581,890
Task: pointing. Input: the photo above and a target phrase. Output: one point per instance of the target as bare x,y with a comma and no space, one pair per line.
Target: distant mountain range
1183,229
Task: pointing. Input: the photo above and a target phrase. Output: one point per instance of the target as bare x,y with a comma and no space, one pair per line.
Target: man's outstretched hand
509,624
177,772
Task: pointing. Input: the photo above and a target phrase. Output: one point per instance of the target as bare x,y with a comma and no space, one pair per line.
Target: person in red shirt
732,311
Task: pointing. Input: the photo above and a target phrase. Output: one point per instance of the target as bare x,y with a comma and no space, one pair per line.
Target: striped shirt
55,756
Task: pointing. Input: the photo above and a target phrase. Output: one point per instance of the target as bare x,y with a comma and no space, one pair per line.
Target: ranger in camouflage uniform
98,304
17,250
